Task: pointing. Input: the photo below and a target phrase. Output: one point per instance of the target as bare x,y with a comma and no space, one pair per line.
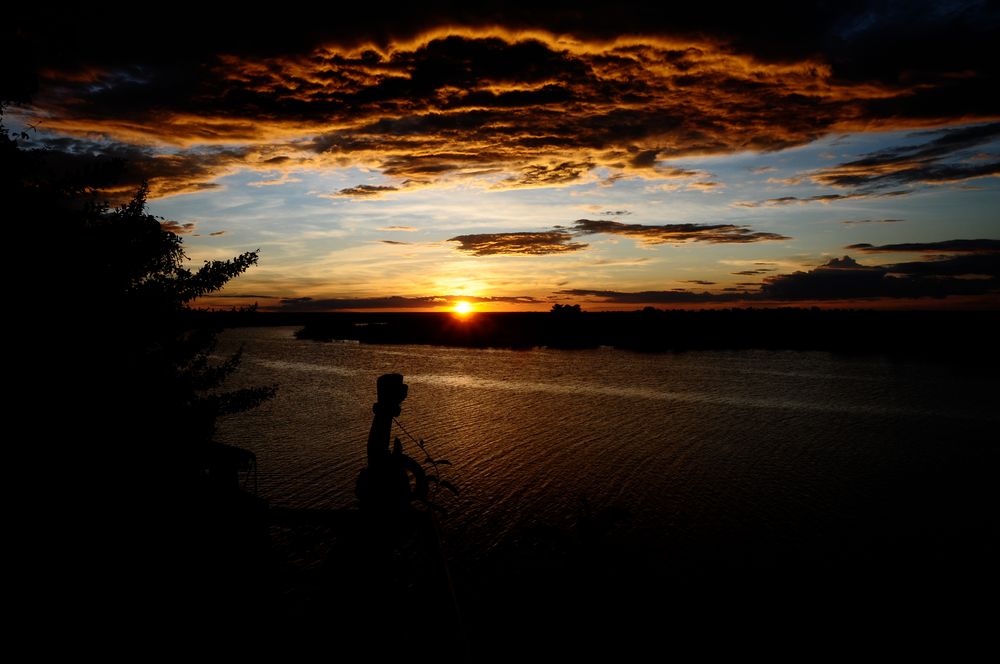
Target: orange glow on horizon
463,309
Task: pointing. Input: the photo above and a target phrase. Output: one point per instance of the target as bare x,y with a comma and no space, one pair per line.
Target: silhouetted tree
118,399
140,269
565,309
122,364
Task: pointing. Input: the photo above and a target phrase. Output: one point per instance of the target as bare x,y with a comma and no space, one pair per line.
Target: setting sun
463,308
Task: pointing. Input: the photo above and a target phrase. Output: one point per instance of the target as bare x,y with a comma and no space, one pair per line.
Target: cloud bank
524,98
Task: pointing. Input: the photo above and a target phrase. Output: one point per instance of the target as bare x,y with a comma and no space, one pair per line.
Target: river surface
700,449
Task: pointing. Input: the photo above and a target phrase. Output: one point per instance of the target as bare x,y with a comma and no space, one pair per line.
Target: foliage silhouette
121,390
142,266
129,303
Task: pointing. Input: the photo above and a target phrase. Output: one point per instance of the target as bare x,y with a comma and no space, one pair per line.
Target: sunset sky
846,156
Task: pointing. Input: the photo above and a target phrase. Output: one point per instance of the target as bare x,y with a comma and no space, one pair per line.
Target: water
705,451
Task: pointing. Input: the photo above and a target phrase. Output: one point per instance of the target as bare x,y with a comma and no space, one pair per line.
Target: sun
463,308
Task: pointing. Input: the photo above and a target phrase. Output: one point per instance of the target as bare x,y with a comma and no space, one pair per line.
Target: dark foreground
904,569
917,571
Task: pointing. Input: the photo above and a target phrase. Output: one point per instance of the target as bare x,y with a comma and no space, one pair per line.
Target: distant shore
965,334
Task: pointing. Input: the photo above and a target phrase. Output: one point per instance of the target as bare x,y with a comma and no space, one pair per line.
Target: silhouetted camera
391,389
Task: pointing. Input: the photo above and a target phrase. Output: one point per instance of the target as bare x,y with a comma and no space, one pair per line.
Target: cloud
392,302
845,279
524,244
971,266
285,178
540,97
118,169
675,233
792,181
394,242
366,190
679,296
950,155
178,228
401,229
706,186
674,173
540,175
851,222
700,282
819,198
944,247
561,238
845,263
751,273
216,233
619,262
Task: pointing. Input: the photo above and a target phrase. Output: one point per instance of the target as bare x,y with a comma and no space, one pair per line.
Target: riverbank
967,335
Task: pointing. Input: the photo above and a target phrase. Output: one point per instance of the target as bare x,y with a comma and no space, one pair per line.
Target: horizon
518,160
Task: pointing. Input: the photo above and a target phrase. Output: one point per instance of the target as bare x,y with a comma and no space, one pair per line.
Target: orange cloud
530,243
676,233
537,107
512,104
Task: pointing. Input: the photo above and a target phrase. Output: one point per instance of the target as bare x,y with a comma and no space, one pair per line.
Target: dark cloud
525,244
700,282
845,279
542,174
391,302
561,239
120,168
945,247
844,263
971,266
178,228
543,95
751,273
366,190
671,233
644,159
851,222
972,274
678,296
393,242
216,233
949,155
330,304
819,198
867,41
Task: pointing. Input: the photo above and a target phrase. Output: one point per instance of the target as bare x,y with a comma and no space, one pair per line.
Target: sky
616,158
